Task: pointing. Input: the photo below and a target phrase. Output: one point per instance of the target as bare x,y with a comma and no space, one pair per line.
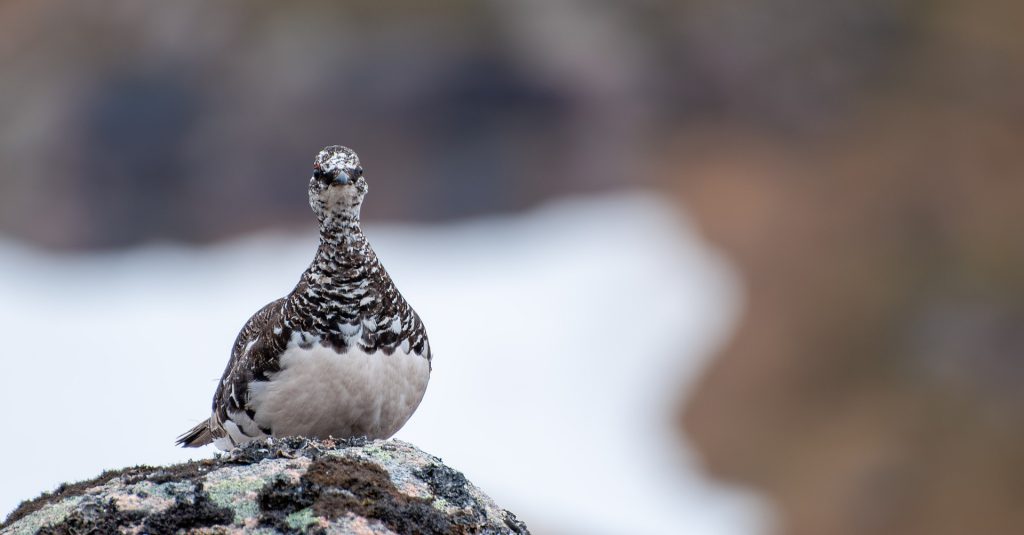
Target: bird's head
337,188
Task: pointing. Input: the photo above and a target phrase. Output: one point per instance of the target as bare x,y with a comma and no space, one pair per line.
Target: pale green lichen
159,496
379,454
226,489
300,520
236,487
52,514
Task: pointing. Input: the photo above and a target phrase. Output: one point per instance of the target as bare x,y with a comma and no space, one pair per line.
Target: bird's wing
249,358
254,355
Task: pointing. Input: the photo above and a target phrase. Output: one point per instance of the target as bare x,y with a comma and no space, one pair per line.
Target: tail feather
199,435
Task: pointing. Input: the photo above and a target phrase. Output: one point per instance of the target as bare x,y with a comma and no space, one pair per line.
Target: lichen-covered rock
292,485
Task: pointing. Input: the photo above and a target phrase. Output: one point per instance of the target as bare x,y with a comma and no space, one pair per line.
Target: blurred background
835,185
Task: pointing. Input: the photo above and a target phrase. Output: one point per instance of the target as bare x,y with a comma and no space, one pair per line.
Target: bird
343,355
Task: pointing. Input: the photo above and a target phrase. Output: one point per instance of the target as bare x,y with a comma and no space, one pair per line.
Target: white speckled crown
335,159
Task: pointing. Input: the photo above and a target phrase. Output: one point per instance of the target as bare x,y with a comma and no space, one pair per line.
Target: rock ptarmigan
342,355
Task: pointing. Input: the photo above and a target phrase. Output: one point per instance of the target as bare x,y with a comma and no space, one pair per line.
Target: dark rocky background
860,162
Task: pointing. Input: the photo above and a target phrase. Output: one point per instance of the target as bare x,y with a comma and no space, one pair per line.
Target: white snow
562,340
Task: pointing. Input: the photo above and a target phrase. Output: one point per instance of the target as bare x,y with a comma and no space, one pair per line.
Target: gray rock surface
291,485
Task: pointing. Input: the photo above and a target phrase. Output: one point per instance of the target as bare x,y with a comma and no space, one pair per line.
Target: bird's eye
357,172
319,174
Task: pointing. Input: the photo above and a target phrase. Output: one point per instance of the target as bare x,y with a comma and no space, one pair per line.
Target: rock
287,485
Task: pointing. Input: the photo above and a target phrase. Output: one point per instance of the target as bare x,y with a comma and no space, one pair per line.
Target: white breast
320,392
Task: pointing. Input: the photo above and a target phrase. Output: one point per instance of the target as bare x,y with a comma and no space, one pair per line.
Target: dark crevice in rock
185,514
280,498
450,484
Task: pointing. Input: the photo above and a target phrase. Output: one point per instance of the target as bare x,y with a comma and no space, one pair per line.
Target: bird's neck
335,288
339,222
343,249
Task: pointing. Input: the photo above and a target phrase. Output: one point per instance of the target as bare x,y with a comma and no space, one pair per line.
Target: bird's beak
342,178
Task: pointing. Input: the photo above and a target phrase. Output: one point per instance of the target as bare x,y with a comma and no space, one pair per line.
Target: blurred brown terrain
876,384
860,162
